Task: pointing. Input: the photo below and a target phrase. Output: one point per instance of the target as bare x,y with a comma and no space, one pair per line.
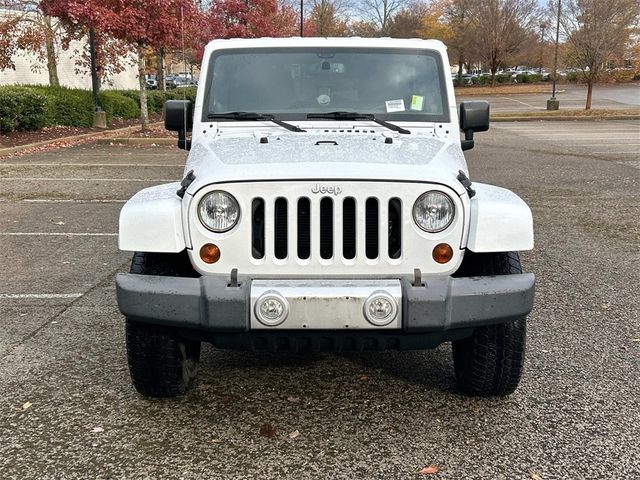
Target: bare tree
500,29
327,18
596,30
381,12
457,14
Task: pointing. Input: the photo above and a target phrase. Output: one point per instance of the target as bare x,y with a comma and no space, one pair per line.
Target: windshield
396,84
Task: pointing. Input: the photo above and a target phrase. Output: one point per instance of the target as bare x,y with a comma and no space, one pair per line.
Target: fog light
209,253
271,309
380,309
442,253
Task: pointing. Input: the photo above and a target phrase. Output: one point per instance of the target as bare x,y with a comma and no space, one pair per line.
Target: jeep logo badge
330,189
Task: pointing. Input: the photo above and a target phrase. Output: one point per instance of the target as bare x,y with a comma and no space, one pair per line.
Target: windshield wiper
359,116
248,116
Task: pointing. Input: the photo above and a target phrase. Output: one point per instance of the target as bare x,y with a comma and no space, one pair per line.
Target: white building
30,70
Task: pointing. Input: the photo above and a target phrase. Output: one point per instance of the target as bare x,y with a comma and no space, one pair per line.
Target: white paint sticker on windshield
395,105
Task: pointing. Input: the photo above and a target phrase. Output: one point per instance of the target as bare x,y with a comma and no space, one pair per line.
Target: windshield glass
396,84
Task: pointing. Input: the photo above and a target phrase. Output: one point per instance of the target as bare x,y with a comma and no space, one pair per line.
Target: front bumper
209,304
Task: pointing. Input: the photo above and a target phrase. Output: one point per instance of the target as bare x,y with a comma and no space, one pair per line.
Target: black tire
161,362
490,361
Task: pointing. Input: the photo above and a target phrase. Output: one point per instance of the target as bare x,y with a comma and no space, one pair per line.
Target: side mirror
178,117
474,117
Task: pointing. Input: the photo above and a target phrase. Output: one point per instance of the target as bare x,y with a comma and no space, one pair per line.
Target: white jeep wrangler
326,205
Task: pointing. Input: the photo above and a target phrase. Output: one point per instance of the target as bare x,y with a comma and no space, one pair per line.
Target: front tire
161,362
490,361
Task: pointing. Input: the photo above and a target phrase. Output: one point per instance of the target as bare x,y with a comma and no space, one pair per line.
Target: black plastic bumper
442,304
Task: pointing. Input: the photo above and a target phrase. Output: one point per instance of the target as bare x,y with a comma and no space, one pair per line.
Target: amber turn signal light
442,253
210,253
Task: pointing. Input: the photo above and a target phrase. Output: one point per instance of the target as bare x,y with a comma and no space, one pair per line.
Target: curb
563,118
136,141
18,148
462,93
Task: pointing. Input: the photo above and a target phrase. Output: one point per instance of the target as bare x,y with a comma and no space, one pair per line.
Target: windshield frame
302,116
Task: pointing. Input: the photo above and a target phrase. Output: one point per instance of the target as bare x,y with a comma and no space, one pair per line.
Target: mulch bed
14,139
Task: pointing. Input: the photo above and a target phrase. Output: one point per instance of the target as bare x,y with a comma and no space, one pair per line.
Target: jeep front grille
339,222
350,229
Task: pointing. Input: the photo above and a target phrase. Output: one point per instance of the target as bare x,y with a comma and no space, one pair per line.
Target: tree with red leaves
252,18
142,24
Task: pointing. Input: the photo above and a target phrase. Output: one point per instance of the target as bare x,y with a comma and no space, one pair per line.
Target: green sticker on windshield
416,102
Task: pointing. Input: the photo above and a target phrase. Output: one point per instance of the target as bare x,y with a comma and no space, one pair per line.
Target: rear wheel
161,362
490,361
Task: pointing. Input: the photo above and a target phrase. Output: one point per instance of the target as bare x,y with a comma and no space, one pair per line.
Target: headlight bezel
451,204
233,200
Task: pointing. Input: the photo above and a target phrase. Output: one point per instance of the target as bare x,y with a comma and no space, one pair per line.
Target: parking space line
39,295
155,165
69,200
86,179
56,234
523,103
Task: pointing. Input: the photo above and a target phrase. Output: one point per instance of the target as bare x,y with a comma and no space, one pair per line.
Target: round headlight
219,211
433,211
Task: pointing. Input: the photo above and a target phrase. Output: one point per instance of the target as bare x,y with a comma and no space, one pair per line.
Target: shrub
22,109
572,76
66,106
118,105
528,78
503,78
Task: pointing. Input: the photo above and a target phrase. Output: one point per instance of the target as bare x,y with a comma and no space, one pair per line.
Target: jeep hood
326,156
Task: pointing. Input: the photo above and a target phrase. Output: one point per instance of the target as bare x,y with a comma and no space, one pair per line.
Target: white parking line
60,200
90,165
86,179
56,234
39,295
518,101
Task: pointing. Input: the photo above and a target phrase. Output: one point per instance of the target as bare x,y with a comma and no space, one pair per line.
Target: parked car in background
151,82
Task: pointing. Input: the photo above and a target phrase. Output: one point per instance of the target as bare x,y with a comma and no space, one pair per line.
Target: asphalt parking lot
571,97
68,410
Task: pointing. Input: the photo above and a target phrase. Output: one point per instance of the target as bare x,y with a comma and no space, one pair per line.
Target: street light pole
543,26
553,103
302,18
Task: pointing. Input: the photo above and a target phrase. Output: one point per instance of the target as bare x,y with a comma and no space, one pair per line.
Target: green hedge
22,110
31,107
118,105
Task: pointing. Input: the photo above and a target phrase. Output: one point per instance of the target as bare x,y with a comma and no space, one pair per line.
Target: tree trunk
493,76
144,113
460,66
160,76
52,64
589,94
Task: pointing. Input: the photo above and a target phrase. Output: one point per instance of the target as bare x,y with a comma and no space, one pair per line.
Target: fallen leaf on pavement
97,430
534,475
25,406
635,339
267,430
430,470
293,399
294,434
364,378
215,441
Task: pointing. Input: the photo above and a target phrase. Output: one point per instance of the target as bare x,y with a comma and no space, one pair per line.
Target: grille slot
349,228
395,228
304,228
371,228
326,228
257,228
280,228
